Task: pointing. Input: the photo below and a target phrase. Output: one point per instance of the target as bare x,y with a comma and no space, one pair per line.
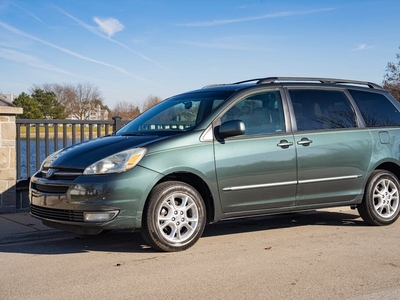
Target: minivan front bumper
90,204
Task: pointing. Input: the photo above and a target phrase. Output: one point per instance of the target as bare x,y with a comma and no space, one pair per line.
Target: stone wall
8,174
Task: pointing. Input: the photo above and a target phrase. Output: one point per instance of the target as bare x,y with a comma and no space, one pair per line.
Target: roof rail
239,82
321,80
249,80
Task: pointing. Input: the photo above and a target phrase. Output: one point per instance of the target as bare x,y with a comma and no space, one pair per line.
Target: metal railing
36,139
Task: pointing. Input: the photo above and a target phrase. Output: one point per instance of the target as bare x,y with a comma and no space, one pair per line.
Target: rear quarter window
376,109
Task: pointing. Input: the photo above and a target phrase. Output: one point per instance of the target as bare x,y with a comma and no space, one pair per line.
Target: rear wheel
380,205
174,217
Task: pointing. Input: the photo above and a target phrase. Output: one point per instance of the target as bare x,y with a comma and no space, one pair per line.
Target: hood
84,154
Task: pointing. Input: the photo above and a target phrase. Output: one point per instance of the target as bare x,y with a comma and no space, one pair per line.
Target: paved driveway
328,254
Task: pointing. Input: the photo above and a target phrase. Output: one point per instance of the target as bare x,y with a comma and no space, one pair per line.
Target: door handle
284,144
304,142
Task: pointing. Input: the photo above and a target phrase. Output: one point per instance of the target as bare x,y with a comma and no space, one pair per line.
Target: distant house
101,114
95,114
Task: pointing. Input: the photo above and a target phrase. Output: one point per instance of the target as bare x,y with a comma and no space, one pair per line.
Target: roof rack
321,80
239,82
250,80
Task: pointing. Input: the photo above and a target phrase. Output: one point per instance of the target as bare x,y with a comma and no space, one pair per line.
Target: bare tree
125,110
87,101
150,102
64,92
81,101
391,80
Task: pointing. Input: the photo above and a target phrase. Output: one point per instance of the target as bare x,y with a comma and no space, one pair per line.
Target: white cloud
362,47
254,18
109,26
19,57
28,12
97,31
67,51
243,43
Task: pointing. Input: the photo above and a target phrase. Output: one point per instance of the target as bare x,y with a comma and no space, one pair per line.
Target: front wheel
174,217
380,205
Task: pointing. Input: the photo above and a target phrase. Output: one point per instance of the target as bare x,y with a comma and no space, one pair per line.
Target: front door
257,170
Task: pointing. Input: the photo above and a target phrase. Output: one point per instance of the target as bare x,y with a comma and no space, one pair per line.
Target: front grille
62,174
57,214
54,189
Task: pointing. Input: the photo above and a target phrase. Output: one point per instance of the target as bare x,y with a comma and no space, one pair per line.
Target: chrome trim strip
67,174
61,173
330,179
257,186
57,171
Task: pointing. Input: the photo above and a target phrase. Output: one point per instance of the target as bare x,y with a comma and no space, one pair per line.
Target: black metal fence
36,139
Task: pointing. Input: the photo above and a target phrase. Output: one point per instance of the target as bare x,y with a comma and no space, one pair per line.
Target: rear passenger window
376,109
322,109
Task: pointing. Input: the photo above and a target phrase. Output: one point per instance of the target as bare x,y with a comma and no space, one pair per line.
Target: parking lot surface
323,254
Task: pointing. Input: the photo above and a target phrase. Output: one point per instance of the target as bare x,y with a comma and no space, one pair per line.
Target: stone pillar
8,173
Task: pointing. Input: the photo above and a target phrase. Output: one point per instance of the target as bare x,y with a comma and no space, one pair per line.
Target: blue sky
132,49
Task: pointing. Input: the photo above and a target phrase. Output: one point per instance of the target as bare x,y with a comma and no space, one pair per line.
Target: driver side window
261,113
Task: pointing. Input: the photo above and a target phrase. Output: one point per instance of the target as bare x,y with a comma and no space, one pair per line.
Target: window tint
376,109
322,109
261,113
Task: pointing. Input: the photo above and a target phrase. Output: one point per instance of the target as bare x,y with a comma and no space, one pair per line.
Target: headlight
116,163
49,159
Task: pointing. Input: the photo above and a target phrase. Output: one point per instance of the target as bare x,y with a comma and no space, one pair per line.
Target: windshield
176,114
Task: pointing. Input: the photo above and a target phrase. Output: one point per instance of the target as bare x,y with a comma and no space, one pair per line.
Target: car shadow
312,217
132,242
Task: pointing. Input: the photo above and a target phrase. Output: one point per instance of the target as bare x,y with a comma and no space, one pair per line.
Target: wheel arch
391,167
199,184
380,205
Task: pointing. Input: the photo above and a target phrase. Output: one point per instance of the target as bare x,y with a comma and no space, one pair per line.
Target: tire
380,205
174,217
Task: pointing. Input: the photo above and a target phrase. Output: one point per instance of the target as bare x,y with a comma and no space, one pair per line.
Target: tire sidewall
157,196
369,201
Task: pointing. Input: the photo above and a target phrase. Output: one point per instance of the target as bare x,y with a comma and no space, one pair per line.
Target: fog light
100,216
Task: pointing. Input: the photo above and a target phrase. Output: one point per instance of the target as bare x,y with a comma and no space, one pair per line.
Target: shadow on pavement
312,217
132,242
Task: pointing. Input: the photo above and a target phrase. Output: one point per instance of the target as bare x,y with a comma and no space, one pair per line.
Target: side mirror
231,128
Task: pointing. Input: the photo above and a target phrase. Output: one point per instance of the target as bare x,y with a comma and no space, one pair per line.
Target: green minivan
255,147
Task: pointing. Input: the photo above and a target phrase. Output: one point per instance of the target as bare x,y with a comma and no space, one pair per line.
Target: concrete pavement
309,255
21,227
